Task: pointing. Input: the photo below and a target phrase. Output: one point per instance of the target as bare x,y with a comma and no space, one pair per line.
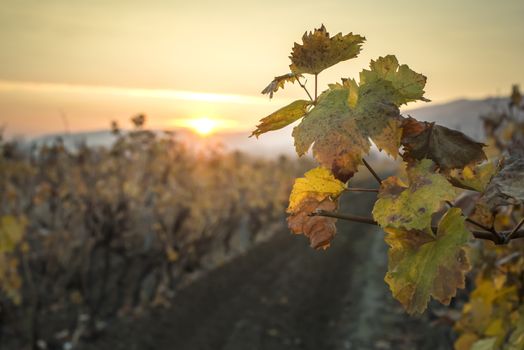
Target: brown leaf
342,150
449,149
278,83
319,229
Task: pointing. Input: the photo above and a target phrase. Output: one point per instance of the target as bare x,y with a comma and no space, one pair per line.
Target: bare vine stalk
503,238
372,171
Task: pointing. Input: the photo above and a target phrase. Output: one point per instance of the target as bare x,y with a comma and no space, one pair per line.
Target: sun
204,126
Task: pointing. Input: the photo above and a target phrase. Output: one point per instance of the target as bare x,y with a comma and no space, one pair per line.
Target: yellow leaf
283,117
11,231
473,177
465,341
318,183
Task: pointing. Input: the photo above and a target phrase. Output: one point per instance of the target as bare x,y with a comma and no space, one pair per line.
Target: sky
77,65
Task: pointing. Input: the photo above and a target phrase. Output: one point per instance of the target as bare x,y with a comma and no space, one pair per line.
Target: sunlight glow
204,126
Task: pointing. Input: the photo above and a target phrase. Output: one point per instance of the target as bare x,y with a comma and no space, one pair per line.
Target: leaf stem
372,171
304,87
367,220
316,86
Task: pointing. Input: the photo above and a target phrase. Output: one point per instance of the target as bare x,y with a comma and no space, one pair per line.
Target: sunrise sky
80,64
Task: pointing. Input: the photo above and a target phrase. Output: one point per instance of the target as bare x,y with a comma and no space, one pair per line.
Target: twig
515,229
357,189
366,220
304,87
372,171
499,237
507,259
348,217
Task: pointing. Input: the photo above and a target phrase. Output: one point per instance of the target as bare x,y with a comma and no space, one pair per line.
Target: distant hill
461,114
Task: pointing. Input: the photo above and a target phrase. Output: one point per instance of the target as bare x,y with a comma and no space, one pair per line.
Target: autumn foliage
429,230
89,234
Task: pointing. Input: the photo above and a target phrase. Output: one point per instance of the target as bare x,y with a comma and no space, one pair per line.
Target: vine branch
497,236
372,171
504,238
515,230
358,189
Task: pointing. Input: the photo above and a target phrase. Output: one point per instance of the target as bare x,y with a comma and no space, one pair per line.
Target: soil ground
284,295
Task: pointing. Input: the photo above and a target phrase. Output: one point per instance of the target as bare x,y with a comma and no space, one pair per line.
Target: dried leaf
319,229
279,82
507,186
319,51
316,190
422,265
448,148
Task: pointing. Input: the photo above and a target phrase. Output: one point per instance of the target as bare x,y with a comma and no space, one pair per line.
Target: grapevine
91,234
427,227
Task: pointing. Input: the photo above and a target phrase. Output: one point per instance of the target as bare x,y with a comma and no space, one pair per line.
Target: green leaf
422,265
407,84
279,82
283,117
319,51
378,116
347,115
411,207
331,126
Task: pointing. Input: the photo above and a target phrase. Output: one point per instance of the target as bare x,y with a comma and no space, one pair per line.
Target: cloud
39,87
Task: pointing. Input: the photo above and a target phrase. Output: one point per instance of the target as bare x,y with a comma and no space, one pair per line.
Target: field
97,234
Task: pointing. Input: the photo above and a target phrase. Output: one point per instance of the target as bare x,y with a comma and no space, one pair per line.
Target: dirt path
284,295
